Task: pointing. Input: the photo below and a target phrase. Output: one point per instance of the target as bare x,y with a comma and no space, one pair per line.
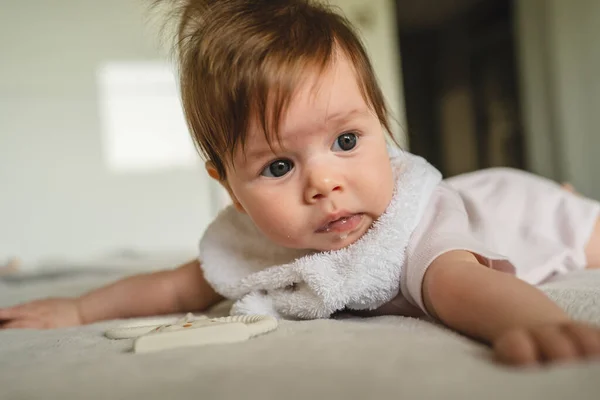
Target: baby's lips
341,225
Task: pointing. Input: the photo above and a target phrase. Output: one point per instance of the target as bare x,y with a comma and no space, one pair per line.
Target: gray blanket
384,357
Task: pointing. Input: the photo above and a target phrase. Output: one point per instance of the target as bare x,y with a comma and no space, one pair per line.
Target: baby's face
332,177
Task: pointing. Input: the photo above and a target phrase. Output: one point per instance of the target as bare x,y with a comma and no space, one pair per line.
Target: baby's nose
321,184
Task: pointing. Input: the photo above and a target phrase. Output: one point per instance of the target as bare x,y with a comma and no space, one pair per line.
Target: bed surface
382,357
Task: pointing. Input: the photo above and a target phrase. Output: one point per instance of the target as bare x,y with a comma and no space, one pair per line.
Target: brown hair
240,59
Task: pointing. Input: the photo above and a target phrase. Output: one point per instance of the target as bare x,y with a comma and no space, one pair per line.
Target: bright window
143,127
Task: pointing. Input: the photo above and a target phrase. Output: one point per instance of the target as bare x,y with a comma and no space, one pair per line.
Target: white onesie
515,221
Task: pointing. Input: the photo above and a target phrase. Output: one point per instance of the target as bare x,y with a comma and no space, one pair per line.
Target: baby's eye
345,142
278,168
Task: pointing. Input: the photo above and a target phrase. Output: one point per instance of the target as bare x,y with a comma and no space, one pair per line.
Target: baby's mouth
342,225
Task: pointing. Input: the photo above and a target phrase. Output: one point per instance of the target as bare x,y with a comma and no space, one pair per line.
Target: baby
282,101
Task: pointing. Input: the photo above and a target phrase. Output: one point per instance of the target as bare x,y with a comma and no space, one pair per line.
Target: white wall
560,60
58,198
575,34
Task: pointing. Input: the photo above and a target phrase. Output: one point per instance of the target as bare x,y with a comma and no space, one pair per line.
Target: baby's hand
42,314
548,343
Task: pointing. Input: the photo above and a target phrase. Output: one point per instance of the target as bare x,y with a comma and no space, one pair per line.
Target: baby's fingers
550,343
10,312
516,348
585,337
24,324
555,344
19,311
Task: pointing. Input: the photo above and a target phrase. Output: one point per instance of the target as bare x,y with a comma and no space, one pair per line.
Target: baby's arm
183,289
521,322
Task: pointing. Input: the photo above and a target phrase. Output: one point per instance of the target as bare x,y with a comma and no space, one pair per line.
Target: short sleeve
445,226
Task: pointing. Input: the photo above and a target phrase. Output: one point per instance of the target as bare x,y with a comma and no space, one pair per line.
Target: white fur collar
241,264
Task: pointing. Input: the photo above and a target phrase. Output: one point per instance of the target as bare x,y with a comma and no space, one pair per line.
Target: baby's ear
213,173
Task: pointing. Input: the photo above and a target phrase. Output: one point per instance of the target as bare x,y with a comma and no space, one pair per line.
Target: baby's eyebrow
258,153
252,154
346,115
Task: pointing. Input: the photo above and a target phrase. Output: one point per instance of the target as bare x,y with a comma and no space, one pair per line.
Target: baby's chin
321,244
342,242
334,242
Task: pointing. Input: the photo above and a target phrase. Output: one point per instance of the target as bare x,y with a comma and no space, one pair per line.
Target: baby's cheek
379,189
278,224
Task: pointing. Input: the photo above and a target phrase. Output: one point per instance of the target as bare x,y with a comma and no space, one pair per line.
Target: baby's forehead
322,98
318,101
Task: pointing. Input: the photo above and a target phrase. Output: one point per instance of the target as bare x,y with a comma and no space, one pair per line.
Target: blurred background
97,167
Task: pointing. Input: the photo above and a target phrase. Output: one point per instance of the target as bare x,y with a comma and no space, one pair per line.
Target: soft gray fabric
384,357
